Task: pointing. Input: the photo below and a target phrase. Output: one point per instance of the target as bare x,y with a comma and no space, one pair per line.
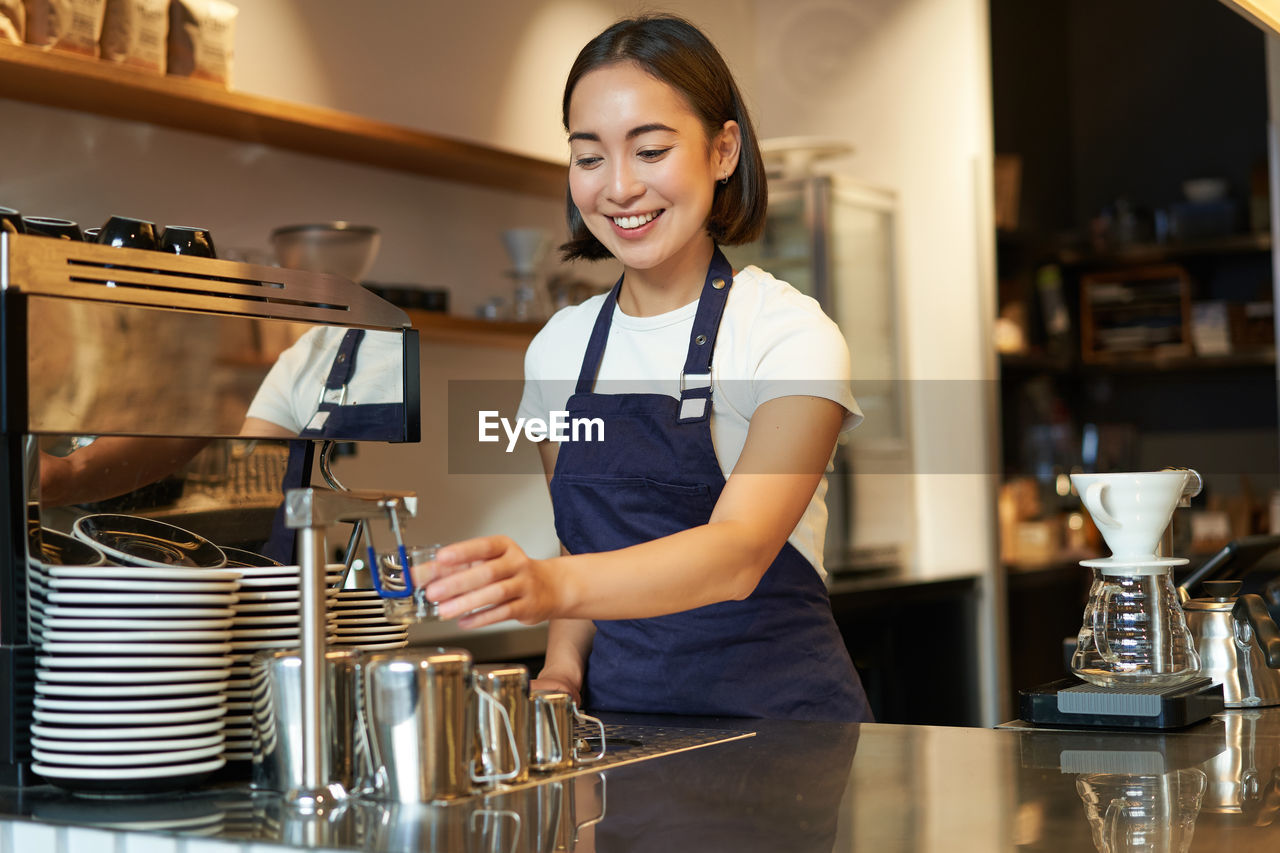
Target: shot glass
402,602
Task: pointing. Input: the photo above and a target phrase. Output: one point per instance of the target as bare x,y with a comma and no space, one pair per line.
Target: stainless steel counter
790,787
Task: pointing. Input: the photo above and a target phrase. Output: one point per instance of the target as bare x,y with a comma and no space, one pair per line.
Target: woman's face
642,171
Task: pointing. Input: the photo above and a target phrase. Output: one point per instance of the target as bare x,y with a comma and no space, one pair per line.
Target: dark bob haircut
677,53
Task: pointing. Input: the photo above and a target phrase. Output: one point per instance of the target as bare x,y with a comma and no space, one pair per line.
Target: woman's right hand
553,682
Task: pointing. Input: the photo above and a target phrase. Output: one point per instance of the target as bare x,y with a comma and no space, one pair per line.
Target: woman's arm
261,428
116,465
568,645
788,446
111,466
568,640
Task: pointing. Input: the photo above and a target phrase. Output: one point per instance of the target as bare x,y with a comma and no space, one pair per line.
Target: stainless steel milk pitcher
418,711
508,684
277,721
554,746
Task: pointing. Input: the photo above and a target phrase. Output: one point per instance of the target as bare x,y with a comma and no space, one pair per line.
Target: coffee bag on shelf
74,26
202,39
135,33
13,21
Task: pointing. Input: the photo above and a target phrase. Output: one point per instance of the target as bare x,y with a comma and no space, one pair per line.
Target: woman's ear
725,149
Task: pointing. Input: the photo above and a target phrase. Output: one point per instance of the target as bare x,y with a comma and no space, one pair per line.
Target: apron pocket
616,512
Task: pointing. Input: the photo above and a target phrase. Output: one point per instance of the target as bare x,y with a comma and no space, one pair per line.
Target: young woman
690,575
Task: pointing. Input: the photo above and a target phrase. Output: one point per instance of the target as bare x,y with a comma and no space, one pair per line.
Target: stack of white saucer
267,616
131,669
358,620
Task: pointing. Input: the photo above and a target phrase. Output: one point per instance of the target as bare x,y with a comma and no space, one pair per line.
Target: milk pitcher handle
1092,499
511,742
603,806
481,814
587,718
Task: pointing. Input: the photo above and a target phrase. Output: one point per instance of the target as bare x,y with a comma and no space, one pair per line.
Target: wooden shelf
469,331
1033,363
1160,252
104,88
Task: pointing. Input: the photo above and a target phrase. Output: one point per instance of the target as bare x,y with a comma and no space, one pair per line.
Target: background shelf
104,88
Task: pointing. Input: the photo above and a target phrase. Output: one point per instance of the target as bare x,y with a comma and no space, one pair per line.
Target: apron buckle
327,395
687,381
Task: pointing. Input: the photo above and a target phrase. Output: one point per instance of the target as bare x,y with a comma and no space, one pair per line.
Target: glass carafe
1152,814
1134,633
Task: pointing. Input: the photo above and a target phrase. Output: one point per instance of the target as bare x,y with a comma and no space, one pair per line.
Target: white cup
1132,509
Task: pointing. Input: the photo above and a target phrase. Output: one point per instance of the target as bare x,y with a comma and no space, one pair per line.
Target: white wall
907,83
491,72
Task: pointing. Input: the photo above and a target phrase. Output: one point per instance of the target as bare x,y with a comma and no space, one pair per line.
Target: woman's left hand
490,579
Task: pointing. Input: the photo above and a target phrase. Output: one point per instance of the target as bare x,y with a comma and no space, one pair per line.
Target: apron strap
595,344
334,392
343,368
695,379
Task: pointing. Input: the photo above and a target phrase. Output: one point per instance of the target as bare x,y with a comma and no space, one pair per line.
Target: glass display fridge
833,238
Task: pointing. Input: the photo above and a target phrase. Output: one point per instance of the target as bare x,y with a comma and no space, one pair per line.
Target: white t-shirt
773,342
290,395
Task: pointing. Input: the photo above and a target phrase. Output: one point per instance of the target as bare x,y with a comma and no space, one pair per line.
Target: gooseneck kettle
1238,641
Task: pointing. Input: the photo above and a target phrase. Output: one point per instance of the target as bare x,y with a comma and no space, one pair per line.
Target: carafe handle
1092,499
1100,621
511,742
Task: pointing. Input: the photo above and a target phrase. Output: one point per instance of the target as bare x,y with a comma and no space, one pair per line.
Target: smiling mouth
629,222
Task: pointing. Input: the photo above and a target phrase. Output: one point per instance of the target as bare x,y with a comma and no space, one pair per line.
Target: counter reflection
1154,812
1154,791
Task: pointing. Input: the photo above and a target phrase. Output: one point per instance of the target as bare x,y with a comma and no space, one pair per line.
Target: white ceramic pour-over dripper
526,247
1131,510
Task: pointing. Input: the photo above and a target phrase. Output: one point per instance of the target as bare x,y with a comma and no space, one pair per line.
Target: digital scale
1070,702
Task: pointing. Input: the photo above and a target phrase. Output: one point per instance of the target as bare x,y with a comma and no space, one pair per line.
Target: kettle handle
1252,609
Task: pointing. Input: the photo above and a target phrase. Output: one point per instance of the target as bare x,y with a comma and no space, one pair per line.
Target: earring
724,180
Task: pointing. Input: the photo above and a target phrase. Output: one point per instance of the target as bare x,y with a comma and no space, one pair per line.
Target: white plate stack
267,616
358,620
131,672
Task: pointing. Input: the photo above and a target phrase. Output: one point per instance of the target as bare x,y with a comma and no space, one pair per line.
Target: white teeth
633,221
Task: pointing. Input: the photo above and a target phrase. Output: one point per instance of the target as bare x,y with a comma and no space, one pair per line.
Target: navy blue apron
776,654
333,419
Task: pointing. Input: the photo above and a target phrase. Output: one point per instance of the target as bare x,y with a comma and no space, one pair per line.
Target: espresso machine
98,340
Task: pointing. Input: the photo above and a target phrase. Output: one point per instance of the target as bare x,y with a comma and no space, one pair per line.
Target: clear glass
412,608
1134,633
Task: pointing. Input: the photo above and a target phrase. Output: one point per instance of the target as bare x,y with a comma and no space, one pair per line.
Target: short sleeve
275,396
799,351
550,368
532,402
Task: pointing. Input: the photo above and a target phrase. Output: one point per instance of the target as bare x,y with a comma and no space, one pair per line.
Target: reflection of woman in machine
693,531
333,382
339,382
